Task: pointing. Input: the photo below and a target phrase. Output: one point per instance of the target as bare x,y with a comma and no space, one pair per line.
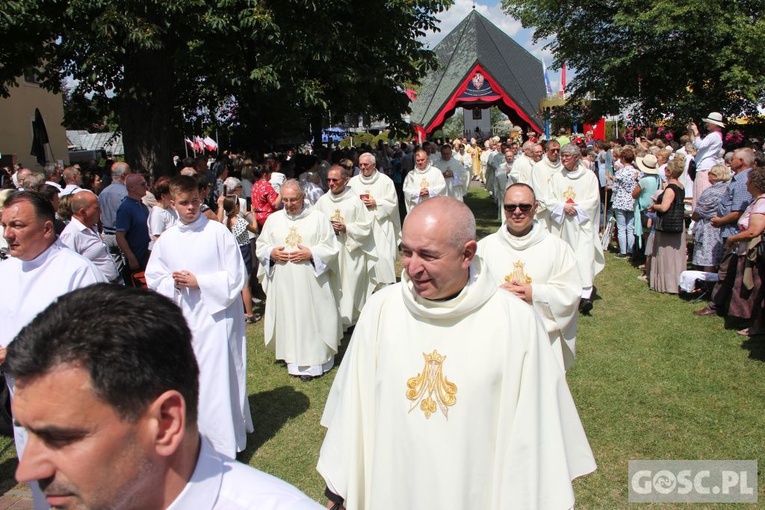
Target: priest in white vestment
197,264
422,183
352,224
40,269
536,266
449,395
298,251
455,175
378,193
541,173
573,201
522,165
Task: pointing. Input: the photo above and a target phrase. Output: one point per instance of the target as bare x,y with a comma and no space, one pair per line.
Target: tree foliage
273,64
672,59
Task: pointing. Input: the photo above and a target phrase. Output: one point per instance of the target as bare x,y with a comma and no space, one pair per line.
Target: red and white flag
563,80
210,144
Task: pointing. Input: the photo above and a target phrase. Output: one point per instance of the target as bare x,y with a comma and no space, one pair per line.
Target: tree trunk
316,129
146,111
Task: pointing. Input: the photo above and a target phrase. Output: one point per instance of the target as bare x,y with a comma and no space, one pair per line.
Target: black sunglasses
524,207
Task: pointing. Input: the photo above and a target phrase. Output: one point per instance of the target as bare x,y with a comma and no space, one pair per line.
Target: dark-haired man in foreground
111,411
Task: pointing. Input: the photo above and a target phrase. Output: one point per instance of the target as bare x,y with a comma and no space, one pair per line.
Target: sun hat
648,164
715,118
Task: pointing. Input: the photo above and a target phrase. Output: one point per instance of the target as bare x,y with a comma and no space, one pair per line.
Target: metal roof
109,141
476,40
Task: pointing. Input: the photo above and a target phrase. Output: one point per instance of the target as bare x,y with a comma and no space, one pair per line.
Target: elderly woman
669,259
708,248
746,299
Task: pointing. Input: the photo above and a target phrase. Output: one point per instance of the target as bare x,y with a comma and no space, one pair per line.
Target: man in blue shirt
132,230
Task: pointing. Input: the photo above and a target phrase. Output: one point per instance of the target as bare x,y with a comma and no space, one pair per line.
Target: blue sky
493,12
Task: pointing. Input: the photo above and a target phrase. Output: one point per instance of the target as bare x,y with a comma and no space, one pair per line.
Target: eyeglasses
553,150
524,207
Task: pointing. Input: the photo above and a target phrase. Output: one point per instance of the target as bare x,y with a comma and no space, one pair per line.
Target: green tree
677,59
160,63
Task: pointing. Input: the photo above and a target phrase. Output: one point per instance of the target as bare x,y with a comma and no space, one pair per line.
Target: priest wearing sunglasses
525,259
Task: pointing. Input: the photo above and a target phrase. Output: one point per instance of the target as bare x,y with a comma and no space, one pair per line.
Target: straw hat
648,164
715,118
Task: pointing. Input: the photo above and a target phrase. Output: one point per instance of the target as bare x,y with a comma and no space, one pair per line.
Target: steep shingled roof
476,40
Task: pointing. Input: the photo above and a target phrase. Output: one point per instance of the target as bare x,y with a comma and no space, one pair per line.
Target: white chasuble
302,323
451,405
215,317
457,185
417,180
580,231
521,170
549,265
356,259
386,228
541,174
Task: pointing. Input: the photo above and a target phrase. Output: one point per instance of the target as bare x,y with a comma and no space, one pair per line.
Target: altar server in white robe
298,251
378,193
536,266
449,395
197,264
574,203
423,182
455,175
352,224
39,270
541,173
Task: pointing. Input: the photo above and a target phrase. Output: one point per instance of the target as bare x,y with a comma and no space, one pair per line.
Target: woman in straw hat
648,185
707,150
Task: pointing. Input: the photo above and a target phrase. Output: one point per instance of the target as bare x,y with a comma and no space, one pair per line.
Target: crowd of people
315,239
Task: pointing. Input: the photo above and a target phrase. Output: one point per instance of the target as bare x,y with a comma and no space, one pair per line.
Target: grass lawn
651,381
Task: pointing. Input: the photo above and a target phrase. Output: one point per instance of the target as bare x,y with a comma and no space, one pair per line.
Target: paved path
18,498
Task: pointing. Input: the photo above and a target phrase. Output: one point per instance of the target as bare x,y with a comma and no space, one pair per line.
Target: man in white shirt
73,181
41,269
81,235
121,360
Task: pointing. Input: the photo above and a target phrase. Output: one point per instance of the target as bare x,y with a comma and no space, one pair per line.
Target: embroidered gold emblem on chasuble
293,238
424,183
570,194
430,390
518,275
337,216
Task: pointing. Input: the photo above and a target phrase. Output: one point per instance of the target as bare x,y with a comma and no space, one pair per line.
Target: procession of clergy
494,414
